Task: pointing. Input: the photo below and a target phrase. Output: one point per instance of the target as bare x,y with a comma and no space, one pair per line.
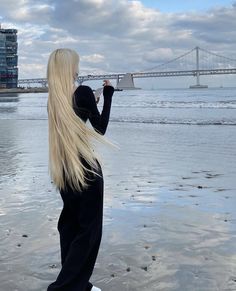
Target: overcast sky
119,35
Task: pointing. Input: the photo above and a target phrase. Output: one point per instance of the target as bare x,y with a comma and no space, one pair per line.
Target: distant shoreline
24,90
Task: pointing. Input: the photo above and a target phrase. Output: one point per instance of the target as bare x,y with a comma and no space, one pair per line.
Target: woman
75,168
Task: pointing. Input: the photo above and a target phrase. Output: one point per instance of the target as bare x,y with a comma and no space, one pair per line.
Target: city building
8,58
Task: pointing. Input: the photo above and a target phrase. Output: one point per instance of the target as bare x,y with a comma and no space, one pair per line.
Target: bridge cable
171,61
211,53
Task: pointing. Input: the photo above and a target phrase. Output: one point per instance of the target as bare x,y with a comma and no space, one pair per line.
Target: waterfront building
8,58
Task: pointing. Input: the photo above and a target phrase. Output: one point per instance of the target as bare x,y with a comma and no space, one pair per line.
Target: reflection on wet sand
8,150
167,225
8,103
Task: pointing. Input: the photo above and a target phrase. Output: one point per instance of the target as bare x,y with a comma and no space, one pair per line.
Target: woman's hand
107,83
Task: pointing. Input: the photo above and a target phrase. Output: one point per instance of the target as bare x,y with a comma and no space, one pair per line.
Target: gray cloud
26,11
215,27
113,36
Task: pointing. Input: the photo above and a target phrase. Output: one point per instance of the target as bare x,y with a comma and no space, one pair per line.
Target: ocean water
170,193
176,106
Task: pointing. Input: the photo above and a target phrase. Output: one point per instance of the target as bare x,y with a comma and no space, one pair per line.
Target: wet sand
169,209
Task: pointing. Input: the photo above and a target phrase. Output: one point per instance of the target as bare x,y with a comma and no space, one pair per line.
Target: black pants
80,229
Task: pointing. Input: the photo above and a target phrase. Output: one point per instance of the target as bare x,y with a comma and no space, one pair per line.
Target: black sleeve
98,121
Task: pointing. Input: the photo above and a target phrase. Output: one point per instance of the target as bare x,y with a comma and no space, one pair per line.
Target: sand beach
170,196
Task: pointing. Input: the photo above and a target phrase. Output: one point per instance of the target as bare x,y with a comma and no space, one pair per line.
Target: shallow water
169,209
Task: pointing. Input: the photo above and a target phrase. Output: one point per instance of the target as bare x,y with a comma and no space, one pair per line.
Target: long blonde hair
69,137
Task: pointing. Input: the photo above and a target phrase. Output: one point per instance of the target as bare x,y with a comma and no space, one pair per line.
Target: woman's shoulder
83,96
83,89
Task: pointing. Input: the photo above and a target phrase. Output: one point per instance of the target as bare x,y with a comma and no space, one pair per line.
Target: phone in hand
97,94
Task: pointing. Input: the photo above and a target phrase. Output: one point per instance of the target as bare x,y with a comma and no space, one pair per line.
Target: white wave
169,121
183,104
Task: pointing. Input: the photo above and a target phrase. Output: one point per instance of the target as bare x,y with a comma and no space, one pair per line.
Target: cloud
214,27
28,13
159,54
95,58
113,36
23,11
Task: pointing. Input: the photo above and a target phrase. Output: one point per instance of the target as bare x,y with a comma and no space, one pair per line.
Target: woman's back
72,160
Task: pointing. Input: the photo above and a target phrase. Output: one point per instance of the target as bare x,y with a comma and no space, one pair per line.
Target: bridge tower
198,85
126,83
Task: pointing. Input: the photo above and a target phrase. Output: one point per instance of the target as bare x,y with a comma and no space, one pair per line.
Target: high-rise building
8,58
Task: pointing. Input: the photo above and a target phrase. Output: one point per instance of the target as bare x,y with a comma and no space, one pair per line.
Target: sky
119,36
181,6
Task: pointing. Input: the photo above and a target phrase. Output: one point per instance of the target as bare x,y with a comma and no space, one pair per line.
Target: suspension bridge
196,62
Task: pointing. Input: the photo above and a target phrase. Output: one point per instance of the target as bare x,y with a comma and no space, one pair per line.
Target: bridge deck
139,75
